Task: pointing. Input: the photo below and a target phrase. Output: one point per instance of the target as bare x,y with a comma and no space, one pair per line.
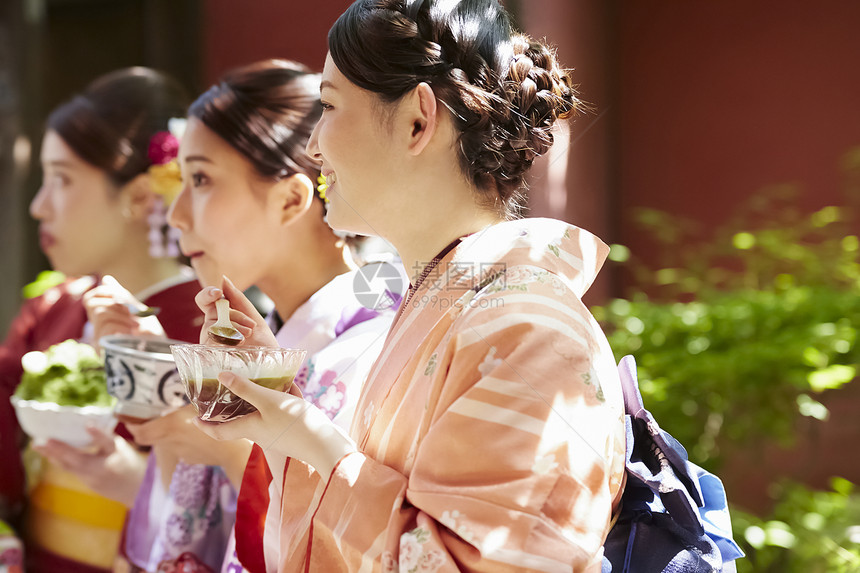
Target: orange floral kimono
490,430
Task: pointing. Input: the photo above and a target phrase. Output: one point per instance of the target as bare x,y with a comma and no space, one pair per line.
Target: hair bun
504,90
534,94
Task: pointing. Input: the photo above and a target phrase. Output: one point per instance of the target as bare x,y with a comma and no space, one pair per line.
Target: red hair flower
163,148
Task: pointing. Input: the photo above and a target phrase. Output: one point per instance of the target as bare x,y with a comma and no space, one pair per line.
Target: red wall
715,100
719,99
237,33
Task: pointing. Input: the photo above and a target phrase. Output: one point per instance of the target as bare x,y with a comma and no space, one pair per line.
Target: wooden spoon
223,330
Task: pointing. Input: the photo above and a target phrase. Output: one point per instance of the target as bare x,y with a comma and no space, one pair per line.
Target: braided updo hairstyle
504,90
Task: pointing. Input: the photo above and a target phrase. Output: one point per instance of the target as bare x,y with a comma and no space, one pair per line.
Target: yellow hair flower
166,180
322,186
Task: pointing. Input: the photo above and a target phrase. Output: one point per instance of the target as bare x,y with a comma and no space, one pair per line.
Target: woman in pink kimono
250,209
489,435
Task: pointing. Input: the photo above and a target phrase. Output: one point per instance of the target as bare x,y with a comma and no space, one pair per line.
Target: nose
39,204
312,148
178,213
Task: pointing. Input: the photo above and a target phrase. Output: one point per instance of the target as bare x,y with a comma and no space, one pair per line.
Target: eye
60,179
326,106
199,179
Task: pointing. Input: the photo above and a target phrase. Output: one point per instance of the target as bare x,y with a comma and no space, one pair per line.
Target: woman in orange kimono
489,435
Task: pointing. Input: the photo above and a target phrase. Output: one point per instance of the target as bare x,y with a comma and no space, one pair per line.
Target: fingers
150,433
103,444
243,315
239,302
111,291
256,395
171,427
206,298
70,458
150,326
243,428
113,319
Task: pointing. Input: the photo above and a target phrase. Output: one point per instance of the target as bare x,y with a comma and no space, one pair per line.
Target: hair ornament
164,174
322,186
176,126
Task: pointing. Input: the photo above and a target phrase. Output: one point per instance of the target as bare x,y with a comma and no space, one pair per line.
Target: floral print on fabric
326,392
195,490
414,556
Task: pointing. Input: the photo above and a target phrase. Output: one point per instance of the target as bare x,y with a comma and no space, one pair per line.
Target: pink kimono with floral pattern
491,428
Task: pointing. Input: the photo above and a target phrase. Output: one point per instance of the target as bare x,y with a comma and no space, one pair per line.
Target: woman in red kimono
105,156
489,435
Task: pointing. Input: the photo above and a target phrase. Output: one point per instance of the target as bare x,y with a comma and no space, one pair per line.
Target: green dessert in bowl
63,390
199,366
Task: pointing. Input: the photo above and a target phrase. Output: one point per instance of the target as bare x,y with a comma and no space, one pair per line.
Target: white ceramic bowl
141,374
44,420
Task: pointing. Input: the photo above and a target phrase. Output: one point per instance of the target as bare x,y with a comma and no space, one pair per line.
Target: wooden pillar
576,181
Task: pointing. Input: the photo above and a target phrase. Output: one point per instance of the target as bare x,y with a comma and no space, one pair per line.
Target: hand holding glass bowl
258,357
199,366
283,424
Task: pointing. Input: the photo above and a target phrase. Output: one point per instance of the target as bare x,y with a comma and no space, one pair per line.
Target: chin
350,222
206,276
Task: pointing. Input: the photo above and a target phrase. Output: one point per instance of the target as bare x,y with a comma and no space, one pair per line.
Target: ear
422,109
291,198
136,198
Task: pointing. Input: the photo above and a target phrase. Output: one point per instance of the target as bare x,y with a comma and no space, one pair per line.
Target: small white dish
45,420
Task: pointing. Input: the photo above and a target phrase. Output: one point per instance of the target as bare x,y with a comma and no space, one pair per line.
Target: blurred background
719,154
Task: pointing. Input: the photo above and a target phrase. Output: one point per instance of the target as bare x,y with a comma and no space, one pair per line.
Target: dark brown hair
504,90
110,124
266,111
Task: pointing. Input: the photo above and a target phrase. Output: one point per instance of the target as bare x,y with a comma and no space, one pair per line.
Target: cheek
229,231
83,215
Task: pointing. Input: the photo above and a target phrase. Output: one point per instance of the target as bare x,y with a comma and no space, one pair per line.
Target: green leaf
44,281
812,408
832,377
755,536
743,241
618,253
779,533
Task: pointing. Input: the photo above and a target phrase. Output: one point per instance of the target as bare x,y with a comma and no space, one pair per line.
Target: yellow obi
69,519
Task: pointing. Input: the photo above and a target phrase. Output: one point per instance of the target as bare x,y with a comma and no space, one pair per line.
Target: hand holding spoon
223,330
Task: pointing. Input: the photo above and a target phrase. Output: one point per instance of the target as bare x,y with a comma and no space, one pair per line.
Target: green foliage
44,281
740,331
735,334
808,532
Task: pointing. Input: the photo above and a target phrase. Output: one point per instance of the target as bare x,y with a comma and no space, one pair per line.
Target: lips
46,240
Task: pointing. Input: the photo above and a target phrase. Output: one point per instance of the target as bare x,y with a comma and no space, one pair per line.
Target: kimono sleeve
519,464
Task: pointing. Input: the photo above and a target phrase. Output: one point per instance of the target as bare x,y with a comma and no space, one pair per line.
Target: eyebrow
58,163
202,158
327,84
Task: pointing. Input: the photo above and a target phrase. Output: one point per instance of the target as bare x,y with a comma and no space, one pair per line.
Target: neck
290,290
440,206
138,273
437,227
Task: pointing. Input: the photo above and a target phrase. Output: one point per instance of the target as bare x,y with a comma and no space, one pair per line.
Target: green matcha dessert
69,374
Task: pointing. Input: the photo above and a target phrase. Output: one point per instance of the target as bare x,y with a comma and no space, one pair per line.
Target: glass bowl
199,366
